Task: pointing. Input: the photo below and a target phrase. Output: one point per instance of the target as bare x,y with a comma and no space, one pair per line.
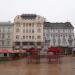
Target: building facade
28,31
58,34
6,35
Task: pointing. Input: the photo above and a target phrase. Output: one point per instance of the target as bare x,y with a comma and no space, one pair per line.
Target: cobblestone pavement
20,67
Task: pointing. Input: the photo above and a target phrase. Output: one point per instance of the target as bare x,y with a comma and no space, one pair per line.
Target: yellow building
28,31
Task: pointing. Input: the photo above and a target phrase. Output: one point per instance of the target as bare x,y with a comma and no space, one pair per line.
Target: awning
55,50
6,51
19,51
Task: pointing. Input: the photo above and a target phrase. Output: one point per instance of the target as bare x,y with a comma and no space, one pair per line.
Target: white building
6,35
28,31
58,34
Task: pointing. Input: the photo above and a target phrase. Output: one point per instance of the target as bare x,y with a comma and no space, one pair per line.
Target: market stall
33,55
54,54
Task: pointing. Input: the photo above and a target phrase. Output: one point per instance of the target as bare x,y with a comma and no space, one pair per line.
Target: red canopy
6,51
19,51
32,50
16,51
12,51
54,50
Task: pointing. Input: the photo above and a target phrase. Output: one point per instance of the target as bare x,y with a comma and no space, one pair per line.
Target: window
29,37
29,24
3,29
17,36
17,43
31,43
17,17
32,37
32,24
23,30
17,24
5,54
17,30
61,34
38,18
23,37
0,35
38,24
26,24
0,29
23,24
8,36
29,31
38,37
51,34
47,35
26,37
26,30
39,30
8,27
2,43
24,43
3,36
39,43
8,43
66,34
9,30
72,34
56,34
32,30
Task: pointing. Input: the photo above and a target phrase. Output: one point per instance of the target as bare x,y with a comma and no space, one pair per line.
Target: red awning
54,50
12,51
16,51
19,51
6,51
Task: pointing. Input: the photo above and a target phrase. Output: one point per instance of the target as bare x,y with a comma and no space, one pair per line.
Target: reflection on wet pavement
67,67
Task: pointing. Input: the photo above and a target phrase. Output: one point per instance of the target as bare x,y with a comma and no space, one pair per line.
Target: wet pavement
20,67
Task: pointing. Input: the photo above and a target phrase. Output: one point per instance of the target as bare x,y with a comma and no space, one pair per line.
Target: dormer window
38,18
18,17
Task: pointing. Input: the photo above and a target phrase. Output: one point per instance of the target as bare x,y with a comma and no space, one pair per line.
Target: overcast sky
52,10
